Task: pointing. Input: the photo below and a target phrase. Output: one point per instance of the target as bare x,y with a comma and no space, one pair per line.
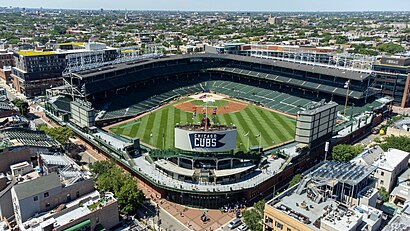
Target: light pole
347,85
260,141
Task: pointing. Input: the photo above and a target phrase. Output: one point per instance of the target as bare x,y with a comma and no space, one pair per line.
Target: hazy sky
220,5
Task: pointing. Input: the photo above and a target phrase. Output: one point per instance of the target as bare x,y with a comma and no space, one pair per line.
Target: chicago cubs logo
206,140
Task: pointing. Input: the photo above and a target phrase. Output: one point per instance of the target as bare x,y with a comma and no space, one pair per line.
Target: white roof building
389,165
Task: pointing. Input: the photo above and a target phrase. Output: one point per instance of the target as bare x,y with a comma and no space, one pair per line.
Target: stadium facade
192,175
160,80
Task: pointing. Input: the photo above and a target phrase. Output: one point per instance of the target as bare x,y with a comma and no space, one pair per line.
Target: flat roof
35,53
72,43
398,223
29,53
348,74
291,206
233,171
319,108
169,166
390,159
108,138
37,186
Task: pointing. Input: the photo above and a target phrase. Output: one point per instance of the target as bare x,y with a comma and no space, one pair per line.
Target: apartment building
36,71
45,193
331,196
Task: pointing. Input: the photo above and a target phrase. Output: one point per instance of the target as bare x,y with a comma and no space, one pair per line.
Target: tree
295,180
260,206
22,105
345,152
129,196
101,167
61,134
111,178
253,217
397,142
390,48
384,194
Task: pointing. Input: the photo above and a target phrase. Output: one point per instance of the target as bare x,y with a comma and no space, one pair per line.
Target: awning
79,226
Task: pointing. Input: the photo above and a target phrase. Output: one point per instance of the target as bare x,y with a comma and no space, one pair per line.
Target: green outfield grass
273,127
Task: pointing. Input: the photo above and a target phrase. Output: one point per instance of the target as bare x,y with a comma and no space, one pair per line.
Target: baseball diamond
250,120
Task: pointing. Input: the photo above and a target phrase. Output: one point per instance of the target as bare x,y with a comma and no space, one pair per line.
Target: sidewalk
186,216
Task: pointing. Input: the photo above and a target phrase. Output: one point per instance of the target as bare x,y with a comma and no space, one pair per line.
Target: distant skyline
217,5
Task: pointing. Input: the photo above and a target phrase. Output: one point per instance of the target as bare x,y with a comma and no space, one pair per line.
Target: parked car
234,223
242,227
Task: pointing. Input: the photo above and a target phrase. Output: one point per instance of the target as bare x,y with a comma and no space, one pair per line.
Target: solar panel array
342,171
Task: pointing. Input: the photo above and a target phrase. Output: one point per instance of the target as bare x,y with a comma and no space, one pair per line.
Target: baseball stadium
204,129
156,128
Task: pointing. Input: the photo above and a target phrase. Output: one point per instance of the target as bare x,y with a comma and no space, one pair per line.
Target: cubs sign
200,141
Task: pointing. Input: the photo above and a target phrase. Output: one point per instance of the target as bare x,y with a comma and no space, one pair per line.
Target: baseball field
156,128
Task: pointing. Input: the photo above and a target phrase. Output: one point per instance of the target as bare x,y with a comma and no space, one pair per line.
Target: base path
228,108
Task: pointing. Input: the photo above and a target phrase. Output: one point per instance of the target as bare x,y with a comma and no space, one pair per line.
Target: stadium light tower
347,86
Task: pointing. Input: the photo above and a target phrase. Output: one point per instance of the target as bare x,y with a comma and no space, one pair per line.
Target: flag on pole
247,134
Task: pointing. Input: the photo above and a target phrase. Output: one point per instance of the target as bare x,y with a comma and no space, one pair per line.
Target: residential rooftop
391,159
400,222
70,212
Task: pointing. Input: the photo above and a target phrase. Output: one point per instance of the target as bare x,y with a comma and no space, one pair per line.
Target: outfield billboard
205,141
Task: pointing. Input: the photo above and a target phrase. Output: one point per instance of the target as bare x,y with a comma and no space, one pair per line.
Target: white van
234,223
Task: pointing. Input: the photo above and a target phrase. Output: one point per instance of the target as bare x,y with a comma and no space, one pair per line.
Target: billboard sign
201,141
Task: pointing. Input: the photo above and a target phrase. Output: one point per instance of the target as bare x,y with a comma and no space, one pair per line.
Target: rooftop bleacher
20,136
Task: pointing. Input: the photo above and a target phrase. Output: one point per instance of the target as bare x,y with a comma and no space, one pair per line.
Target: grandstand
122,91
128,89
283,100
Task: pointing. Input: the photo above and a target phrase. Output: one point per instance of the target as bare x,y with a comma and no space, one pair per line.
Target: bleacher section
20,136
282,79
270,98
133,103
148,97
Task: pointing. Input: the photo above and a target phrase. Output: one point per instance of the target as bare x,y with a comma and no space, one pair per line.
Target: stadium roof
342,73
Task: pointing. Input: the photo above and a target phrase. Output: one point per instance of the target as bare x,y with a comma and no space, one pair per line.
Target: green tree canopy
111,178
253,217
295,180
384,194
390,48
61,134
398,142
345,152
22,105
